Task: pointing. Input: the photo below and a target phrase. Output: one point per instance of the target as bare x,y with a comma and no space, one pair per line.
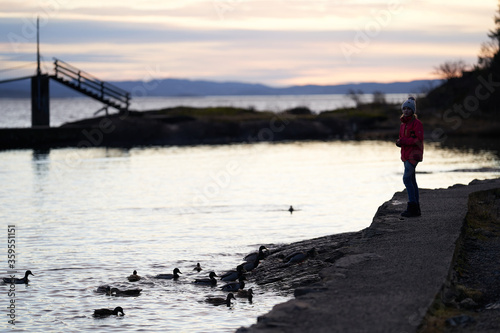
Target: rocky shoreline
225,125
396,275
191,126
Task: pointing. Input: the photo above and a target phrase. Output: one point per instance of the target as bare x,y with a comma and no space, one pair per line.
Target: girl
411,141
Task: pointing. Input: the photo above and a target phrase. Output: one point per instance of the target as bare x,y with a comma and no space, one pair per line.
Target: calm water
89,217
17,112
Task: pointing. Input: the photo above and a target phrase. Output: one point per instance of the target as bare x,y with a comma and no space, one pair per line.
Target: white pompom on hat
410,103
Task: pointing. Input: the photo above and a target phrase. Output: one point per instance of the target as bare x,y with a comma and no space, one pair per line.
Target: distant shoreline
184,87
182,126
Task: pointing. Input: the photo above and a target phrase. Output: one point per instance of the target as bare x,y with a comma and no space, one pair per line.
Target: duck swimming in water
197,268
101,313
233,275
211,281
127,292
221,301
174,276
103,289
234,286
134,277
256,255
248,294
15,280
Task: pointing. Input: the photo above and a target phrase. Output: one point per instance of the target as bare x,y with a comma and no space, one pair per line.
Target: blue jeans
410,182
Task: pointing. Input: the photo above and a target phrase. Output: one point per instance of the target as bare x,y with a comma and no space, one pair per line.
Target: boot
407,211
412,210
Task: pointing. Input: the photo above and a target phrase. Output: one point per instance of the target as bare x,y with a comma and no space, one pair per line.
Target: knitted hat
410,103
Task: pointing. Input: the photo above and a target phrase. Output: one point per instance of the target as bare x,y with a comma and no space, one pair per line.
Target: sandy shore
381,279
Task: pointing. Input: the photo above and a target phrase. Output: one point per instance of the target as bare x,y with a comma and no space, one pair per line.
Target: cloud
277,42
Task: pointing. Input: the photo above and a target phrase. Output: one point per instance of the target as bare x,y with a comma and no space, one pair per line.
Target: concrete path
391,275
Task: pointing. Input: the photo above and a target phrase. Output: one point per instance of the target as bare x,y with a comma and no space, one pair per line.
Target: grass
212,112
481,216
364,112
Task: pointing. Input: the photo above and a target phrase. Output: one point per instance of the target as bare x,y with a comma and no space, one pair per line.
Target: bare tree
492,47
379,98
451,69
355,96
488,51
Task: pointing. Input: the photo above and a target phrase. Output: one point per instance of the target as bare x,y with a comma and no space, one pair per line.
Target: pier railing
91,86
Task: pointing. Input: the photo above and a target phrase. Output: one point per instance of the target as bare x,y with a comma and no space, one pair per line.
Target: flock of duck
234,280
234,283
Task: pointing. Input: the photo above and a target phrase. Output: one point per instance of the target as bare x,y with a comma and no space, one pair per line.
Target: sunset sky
274,42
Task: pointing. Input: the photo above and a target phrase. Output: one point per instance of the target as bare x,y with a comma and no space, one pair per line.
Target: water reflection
40,158
479,146
89,217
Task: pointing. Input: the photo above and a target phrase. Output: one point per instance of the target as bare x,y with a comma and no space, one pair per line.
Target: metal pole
38,71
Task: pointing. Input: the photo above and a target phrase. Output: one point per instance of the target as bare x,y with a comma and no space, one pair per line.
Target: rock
493,306
318,288
336,255
355,259
460,321
468,303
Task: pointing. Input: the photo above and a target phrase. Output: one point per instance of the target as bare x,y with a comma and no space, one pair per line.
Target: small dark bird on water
256,255
291,210
101,313
197,268
126,292
211,281
18,280
221,301
248,294
234,286
103,289
233,275
174,276
134,277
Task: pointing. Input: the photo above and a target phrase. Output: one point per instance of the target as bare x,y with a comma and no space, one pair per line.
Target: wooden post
40,110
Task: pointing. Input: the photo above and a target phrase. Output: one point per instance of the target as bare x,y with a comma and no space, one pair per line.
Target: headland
226,125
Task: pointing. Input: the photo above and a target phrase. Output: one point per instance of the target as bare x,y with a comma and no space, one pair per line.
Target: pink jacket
411,140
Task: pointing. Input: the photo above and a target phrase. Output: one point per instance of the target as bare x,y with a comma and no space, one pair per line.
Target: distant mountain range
182,87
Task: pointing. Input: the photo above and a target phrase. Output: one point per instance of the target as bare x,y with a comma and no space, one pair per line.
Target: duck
291,209
221,301
233,275
210,281
103,289
127,292
134,277
251,265
15,280
299,257
101,313
248,294
197,268
174,276
256,255
234,286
